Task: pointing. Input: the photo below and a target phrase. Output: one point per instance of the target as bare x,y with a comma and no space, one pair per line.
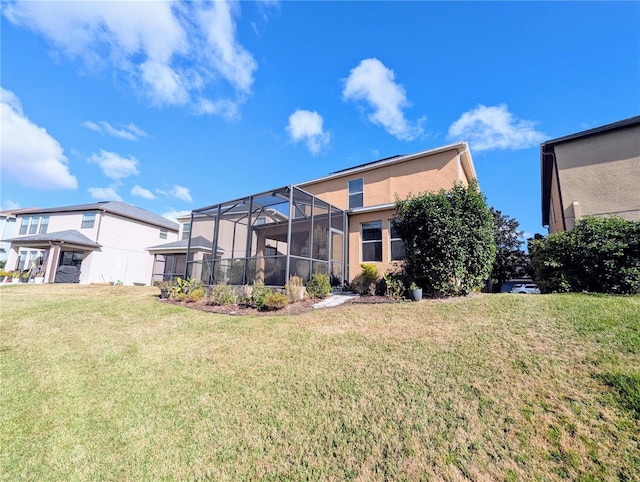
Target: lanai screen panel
268,237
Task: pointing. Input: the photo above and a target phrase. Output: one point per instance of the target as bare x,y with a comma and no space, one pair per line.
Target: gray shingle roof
70,236
114,207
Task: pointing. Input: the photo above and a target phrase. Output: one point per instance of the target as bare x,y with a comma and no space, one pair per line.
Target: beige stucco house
591,173
103,242
329,225
367,193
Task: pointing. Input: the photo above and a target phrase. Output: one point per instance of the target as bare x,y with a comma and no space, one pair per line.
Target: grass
108,383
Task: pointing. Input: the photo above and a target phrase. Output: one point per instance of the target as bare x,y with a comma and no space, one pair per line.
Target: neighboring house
591,173
105,241
7,230
328,225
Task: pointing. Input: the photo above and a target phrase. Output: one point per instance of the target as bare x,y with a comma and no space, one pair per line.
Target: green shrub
318,286
275,301
599,255
393,286
366,282
448,238
259,295
196,294
222,294
295,289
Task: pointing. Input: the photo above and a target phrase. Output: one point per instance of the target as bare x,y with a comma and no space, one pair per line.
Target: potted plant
24,277
15,277
3,275
415,292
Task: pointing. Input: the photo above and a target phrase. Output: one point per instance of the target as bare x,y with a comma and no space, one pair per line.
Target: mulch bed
298,308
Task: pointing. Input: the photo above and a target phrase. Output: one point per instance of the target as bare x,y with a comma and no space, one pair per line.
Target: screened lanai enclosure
267,238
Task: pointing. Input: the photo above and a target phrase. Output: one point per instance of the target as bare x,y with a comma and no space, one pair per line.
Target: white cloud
142,192
30,156
231,60
181,192
223,107
174,215
178,192
130,131
104,194
374,84
488,128
174,52
114,166
305,125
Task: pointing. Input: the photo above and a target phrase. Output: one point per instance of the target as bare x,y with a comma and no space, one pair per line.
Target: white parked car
528,288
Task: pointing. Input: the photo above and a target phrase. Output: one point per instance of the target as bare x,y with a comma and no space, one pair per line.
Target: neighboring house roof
547,156
113,207
461,147
199,243
70,236
12,213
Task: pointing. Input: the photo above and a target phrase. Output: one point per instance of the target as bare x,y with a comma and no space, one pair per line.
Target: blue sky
177,105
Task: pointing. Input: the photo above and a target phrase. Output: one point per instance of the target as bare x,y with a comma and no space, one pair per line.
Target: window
186,230
71,258
25,224
44,225
356,193
88,220
163,234
22,260
33,227
397,245
372,241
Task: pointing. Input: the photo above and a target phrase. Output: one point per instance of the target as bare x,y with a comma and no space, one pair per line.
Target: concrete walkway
335,300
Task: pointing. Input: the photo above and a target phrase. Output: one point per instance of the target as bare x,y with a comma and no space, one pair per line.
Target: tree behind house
448,236
511,261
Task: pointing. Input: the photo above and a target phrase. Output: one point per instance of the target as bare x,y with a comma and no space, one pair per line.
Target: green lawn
109,383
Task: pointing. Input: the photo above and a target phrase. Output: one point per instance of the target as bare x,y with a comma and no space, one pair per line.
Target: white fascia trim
458,146
367,209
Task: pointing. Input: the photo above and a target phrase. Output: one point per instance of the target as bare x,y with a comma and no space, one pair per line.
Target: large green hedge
448,237
600,255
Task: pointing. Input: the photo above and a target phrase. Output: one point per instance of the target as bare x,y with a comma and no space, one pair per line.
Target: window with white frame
186,230
88,220
34,225
44,225
24,226
163,234
396,243
372,241
356,193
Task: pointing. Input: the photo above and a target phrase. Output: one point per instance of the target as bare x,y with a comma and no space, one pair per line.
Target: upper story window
34,225
397,245
44,225
372,241
88,220
163,234
356,193
25,225
186,230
